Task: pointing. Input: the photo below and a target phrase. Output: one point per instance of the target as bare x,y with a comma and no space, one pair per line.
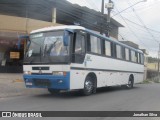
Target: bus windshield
47,45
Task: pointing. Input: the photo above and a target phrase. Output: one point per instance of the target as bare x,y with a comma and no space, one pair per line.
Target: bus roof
58,28
75,27
112,40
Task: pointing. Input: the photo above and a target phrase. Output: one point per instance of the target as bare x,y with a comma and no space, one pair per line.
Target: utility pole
109,6
158,58
102,18
158,63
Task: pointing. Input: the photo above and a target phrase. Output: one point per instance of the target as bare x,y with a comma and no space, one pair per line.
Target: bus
75,58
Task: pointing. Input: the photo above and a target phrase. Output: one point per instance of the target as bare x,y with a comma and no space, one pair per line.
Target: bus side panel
111,72
77,78
138,77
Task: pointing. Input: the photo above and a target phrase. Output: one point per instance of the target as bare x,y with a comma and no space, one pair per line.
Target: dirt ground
13,85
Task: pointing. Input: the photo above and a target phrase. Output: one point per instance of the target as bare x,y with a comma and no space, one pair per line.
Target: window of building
95,44
107,48
118,51
126,53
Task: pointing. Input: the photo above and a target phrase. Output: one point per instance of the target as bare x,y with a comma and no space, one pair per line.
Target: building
132,44
145,63
19,17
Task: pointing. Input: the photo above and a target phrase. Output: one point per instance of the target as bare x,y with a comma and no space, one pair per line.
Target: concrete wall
19,24
11,27
152,66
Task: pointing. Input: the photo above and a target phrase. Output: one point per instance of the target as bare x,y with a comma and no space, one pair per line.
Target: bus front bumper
47,81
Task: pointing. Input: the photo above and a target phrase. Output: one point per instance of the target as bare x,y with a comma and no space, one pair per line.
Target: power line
143,24
147,6
131,29
140,25
123,37
126,8
92,4
142,29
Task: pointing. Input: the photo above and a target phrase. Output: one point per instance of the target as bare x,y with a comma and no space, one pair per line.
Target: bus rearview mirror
25,37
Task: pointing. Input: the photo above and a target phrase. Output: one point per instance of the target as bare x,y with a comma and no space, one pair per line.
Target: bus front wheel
88,86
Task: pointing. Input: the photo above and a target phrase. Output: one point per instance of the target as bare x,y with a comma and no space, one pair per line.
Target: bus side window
107,48
123,53
142,58
127,54
80,44
133,56
138,56
119,51
95,43
79,48
113,50
88,43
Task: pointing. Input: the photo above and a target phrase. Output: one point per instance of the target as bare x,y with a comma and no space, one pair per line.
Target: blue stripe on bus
53,80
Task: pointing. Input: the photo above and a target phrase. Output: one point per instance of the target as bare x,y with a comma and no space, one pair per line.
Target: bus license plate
29,83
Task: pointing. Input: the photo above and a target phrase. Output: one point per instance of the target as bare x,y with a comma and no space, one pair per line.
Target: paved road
143,97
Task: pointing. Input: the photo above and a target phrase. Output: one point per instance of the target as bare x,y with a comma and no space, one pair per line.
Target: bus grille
42,82
41,73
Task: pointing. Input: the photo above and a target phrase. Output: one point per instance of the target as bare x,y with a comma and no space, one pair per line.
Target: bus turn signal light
27,72
59,73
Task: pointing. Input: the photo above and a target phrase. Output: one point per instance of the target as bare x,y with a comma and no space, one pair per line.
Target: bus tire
53,91
130,82
88,86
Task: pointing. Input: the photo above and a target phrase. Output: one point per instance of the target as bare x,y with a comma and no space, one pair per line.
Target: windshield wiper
40,51
33,58
45,50
52,46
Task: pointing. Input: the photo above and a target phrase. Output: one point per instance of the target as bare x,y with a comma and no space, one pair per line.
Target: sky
141,21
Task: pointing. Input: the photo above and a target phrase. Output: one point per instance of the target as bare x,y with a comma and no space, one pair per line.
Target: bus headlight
27,72
59,73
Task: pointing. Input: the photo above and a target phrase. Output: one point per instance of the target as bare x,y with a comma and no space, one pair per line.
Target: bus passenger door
79,48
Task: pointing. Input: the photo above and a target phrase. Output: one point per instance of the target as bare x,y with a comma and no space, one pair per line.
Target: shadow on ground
75,94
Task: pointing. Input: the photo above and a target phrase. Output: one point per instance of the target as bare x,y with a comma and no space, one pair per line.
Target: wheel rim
88,86
129,83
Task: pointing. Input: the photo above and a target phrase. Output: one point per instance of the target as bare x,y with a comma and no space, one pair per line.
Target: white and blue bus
76,58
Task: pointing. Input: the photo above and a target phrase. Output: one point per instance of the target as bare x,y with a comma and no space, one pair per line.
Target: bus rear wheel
88,86
130,82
